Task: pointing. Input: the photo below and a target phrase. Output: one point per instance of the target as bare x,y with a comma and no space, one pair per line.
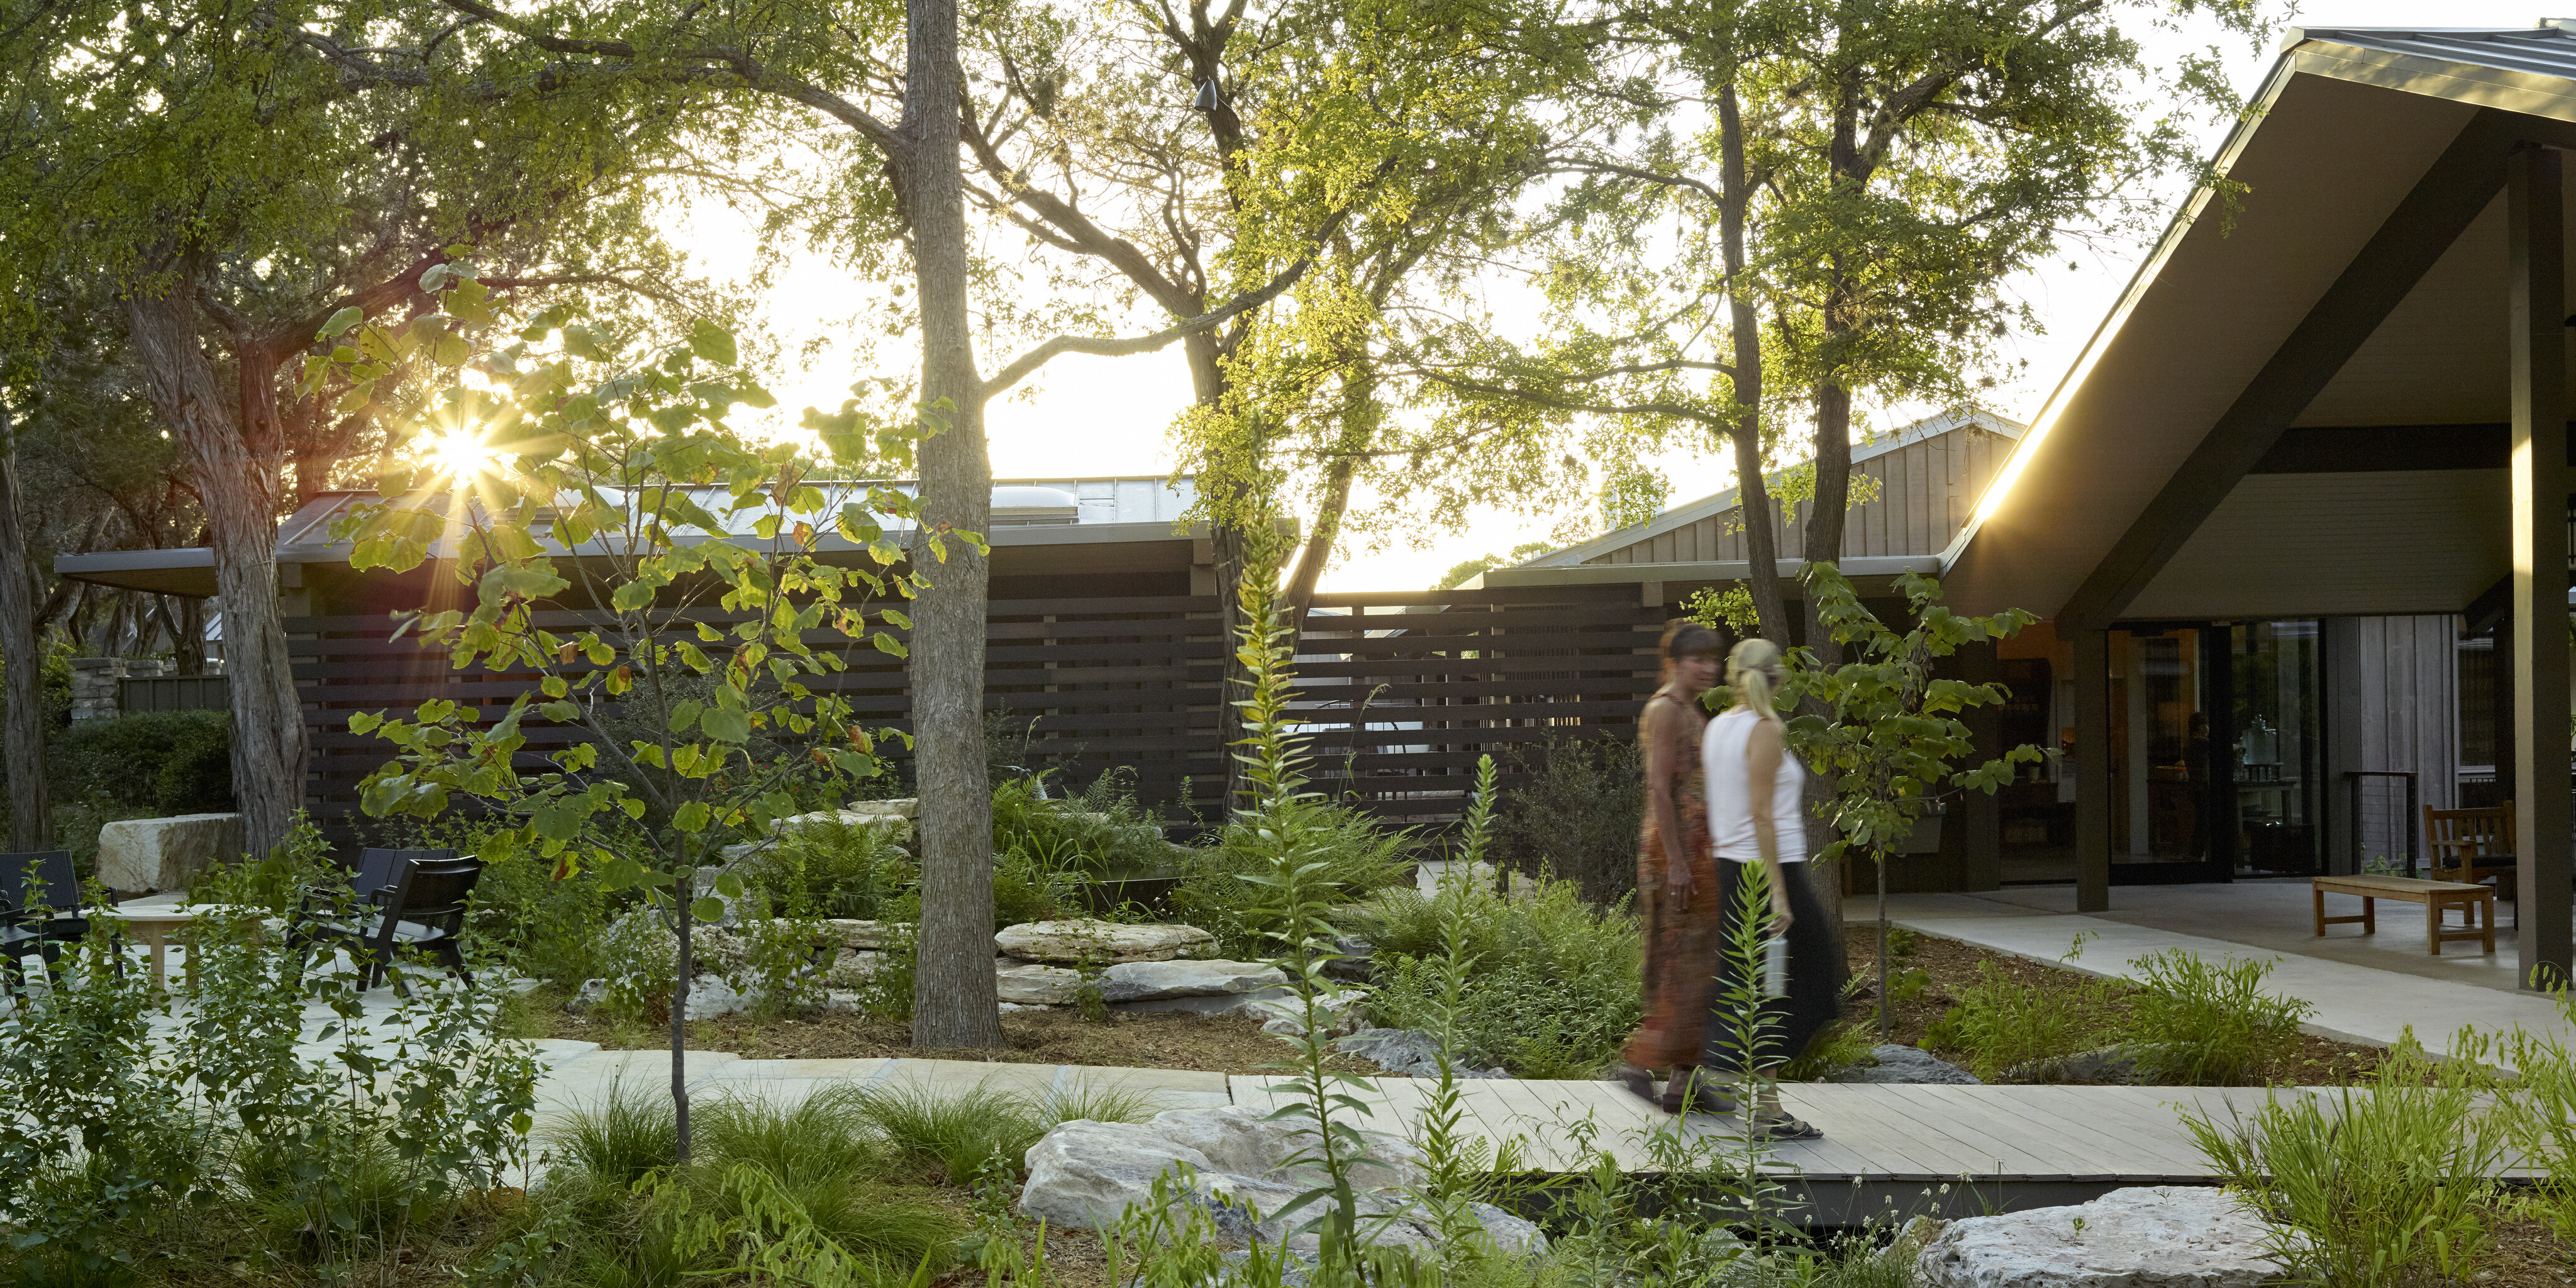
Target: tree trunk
234,461
1761,544
683,974
954,999
31,824
1825,513
1232,549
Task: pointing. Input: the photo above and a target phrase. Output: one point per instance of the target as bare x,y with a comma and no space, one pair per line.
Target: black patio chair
423,908
38,919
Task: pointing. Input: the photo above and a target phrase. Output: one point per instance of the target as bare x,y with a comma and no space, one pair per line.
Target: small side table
152,921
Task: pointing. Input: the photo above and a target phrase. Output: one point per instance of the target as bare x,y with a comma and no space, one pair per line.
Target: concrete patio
2367,988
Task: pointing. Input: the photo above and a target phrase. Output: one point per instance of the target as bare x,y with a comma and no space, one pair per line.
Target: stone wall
94,683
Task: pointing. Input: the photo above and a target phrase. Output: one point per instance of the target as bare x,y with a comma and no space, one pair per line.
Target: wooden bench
2475,902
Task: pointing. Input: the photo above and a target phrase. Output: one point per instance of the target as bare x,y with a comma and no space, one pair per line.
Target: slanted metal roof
2344,127
1716,503
2546,50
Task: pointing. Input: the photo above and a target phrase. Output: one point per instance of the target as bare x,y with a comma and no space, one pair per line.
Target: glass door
2277,755
2169,816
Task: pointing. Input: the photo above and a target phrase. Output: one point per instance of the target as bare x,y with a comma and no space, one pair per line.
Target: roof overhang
2294,407
1871,575
1068,547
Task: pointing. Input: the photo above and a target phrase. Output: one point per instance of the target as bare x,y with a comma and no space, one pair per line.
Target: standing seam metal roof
2546,50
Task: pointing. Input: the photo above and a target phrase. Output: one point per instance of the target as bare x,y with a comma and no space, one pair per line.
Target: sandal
1778,1129
1639,1083
1707,1095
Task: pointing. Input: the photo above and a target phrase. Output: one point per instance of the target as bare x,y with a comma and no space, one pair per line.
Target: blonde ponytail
1753,671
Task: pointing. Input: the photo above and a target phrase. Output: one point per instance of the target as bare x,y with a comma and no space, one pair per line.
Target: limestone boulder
1234,1167
712,995
1084,1174
1900,1063
2148,1236
1037,985
1154,981
851,970
1239,1141
146,855
1411,1052
894,818
1082,942
864,934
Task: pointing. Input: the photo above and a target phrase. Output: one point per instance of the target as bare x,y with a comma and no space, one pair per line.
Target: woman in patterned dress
1677,886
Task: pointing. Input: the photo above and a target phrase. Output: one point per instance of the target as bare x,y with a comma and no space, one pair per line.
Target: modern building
2320,437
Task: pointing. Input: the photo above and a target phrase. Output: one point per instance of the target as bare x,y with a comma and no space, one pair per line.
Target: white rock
142,855
1900,1063
1083,1174
841,999
1038,985
1153,981
864,934
897,826
1087,1174
1008,1008
1509,1233
2147,1236
1237,1140
1079,942
711,996
851,970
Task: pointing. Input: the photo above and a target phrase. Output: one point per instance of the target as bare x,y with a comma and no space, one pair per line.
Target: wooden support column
2537,288
2092,771
1978,816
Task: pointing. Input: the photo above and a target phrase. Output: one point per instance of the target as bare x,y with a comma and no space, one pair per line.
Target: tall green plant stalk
1294,913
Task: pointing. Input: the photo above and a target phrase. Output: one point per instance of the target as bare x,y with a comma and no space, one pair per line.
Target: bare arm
1664,727
1762,753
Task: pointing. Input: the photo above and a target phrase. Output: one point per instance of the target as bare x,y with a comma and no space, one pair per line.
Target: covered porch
2335,394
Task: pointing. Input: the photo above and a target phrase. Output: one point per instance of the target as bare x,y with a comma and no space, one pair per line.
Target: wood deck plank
2143,1151
1876,1129
2046,1153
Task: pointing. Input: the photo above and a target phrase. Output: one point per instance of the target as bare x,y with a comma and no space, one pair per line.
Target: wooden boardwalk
1908,1148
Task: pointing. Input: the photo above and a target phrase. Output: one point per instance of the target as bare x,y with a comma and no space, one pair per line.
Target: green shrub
1576,817
2204,1025
169,762
1359,858
2376,1186
831,869
2000,1022
1102,829
1553,990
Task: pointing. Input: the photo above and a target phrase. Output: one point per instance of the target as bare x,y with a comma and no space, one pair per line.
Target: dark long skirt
1815,976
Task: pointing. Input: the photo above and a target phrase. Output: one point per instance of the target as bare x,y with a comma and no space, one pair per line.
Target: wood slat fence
1400,692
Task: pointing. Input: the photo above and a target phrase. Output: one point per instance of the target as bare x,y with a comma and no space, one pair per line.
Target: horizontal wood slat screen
1401,693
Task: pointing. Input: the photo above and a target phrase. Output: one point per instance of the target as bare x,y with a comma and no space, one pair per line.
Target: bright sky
1089,416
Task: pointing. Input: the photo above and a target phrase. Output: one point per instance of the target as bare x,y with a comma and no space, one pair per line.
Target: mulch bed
1954,966
1221,1044
2527,1253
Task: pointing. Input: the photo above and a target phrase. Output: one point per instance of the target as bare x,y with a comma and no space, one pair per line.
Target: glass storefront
2215,755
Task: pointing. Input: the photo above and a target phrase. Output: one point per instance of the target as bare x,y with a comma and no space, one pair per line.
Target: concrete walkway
2366,989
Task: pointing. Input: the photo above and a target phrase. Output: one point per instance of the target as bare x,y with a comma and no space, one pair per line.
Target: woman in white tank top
1757,821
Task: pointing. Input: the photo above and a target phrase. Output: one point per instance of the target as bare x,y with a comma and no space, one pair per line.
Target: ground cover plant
152,1136
1936,978
1555,989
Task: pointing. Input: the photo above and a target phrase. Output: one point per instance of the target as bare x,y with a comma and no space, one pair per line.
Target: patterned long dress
1681,932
